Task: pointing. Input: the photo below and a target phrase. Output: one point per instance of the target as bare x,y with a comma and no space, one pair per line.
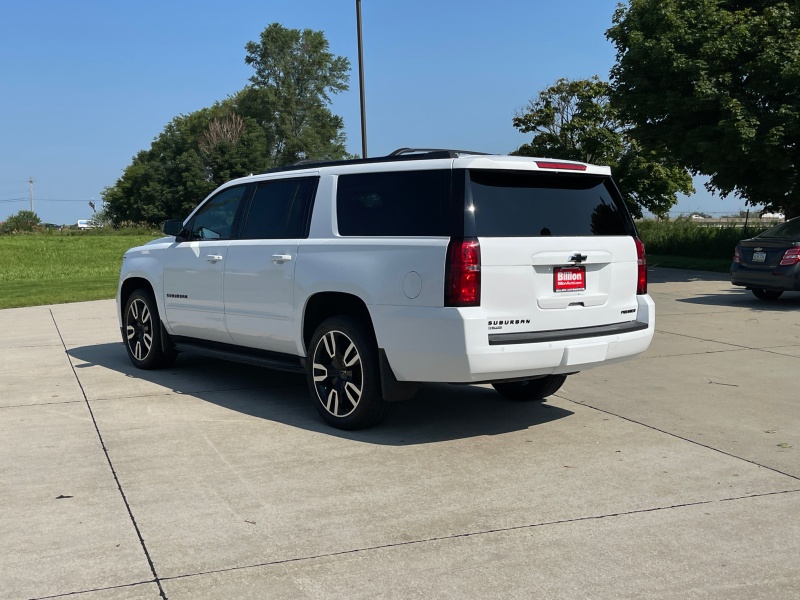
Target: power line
45,200
61,200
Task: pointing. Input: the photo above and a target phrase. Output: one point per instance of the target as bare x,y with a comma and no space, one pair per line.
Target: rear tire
343,374
763,294
141,332
532,389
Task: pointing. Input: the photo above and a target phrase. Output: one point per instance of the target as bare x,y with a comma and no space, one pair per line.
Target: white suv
375,275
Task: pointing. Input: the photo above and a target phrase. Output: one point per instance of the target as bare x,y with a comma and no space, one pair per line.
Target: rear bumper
453,345
780,278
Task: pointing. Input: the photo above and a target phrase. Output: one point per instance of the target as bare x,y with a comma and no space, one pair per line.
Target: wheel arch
324,305
130,285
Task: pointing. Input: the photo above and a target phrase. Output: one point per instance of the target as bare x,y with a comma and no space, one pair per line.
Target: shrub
25,221
687,238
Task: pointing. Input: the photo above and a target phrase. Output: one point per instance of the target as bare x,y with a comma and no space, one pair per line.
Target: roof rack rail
423,152
311,161
397,155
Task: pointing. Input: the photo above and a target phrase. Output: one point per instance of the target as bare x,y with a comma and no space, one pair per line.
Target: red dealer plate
569,279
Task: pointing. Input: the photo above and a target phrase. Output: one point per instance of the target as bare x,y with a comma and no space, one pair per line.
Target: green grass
55,268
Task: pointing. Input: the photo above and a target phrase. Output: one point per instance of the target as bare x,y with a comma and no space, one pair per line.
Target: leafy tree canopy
718,83
574,120
23,221
294,75
281,117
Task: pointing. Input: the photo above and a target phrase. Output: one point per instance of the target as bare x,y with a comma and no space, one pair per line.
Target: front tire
532,389
343,374
141,332
763,294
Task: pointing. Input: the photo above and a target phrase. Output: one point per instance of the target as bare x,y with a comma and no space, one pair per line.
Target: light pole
361,82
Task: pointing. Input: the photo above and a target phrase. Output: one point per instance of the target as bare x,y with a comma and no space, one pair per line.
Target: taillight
641,262
462,273
736,257
790,257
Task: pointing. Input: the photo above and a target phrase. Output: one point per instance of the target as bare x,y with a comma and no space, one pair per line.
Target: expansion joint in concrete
156,579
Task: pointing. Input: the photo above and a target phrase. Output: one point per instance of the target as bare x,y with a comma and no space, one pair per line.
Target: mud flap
393,390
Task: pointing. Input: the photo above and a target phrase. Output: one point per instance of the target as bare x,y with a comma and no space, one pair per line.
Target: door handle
212,258
279,259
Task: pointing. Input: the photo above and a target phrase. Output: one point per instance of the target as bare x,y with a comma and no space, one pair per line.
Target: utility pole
361,82
31,182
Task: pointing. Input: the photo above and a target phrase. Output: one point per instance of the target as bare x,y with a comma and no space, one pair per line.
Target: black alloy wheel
344,376
142,332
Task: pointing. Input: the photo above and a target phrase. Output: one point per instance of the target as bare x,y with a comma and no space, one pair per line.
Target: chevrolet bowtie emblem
578,257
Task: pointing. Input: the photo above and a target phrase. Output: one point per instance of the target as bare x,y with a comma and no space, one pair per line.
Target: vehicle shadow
741,298
729,295
667,275
439,412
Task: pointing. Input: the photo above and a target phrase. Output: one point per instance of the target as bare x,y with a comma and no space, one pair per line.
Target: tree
101,218
718,83
294,77
574,120
280,118
192,156
23,221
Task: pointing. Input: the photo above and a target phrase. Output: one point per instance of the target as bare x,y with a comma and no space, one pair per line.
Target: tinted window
788,229
513,204
279,209
404,203
215,219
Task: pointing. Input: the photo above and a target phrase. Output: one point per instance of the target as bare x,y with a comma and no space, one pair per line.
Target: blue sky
85,85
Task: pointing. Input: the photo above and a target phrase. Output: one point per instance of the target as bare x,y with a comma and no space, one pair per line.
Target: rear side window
514,204
787,229
279,209
403,203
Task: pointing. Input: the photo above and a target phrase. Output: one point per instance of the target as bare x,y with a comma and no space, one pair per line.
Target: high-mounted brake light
641,262
561,166
790,257
462,273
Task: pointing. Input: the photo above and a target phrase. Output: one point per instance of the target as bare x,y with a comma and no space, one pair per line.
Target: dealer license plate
759,256
569,279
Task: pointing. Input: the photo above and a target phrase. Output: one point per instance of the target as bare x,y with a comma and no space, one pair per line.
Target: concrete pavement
672,476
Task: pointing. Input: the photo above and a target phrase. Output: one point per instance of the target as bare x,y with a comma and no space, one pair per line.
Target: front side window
280,209
401,203
215,219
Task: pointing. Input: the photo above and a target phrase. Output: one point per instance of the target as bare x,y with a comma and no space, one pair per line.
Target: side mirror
173,227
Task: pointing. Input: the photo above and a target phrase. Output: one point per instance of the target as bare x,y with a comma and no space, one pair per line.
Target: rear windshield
788,229
514,204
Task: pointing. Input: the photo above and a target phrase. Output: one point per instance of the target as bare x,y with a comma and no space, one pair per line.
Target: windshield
788,229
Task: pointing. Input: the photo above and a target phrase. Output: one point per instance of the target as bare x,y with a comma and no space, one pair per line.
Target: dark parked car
769,264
